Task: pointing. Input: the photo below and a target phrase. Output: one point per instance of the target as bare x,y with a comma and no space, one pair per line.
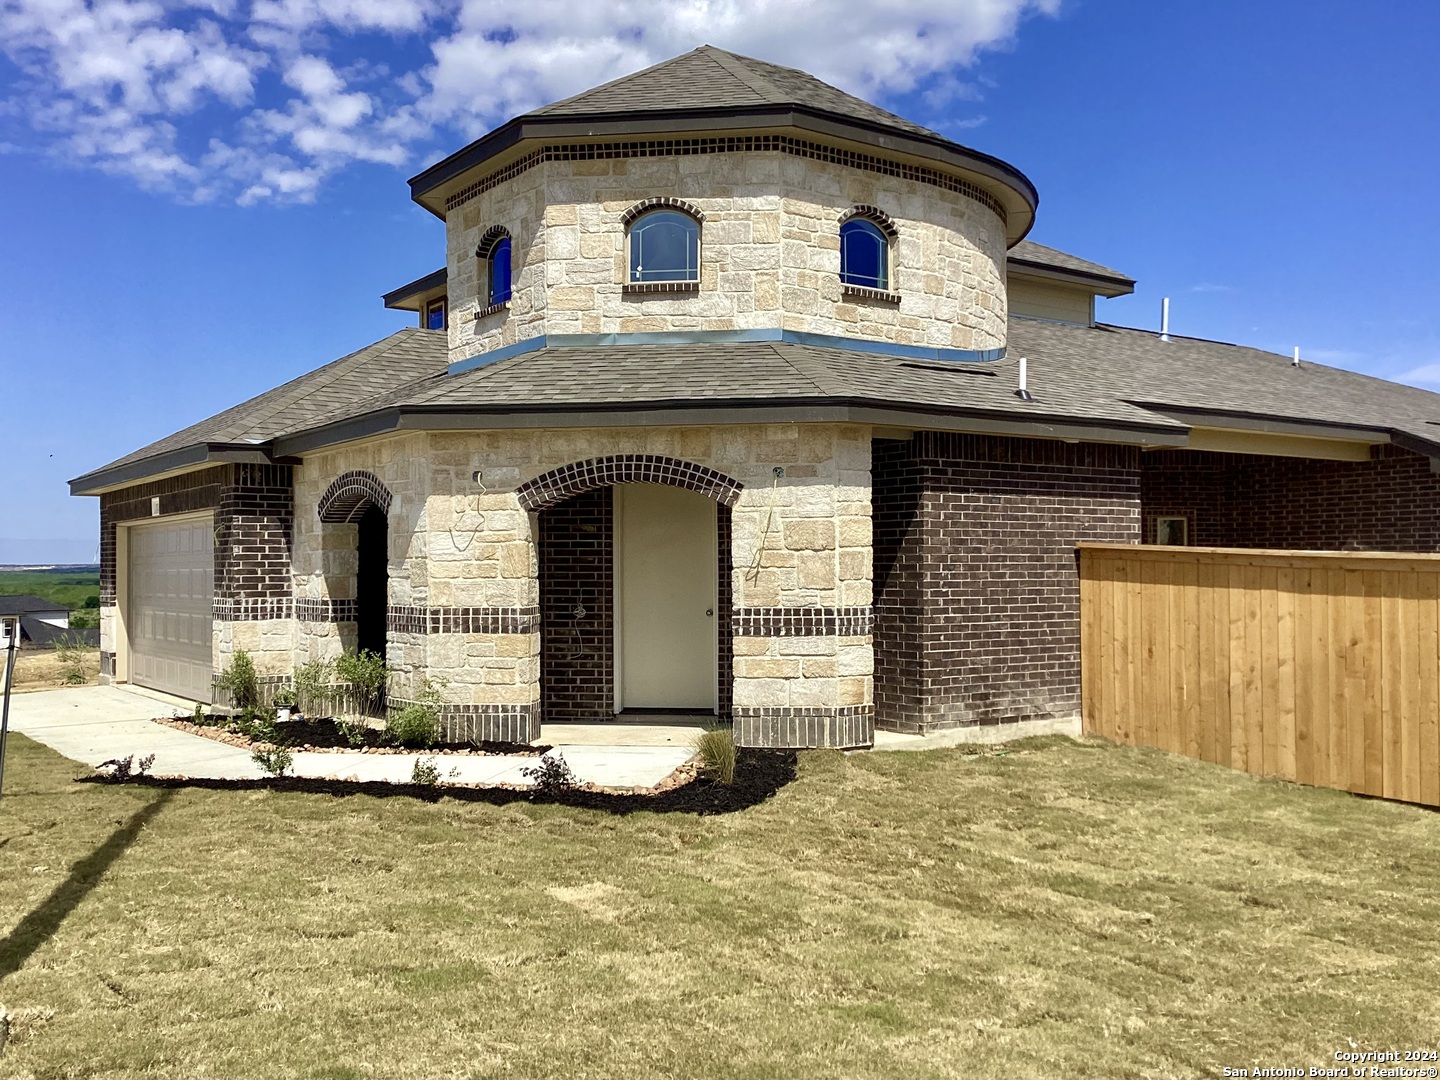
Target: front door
665,588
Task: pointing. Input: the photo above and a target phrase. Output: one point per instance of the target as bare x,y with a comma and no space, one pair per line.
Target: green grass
1059,909
70,588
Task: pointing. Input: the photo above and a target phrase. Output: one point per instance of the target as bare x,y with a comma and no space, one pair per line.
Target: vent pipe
1296,361
1165,319
1022,391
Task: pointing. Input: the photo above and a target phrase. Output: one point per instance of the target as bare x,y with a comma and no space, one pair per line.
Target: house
736,395
41,623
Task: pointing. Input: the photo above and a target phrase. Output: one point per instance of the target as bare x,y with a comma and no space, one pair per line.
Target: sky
200,199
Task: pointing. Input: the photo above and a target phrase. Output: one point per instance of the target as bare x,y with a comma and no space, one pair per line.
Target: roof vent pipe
1296,362
1165,319
1021,391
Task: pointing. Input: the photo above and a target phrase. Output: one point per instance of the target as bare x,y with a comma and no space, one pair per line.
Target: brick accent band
349,495
661,202
578,477
802,622
252,609
840,727
420,619
328,610
486,723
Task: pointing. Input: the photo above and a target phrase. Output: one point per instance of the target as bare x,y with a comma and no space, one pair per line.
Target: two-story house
736,394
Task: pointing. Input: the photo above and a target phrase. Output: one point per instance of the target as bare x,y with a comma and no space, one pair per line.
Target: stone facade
977,594
769,253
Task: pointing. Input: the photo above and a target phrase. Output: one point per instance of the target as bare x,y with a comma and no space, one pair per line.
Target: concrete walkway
91,724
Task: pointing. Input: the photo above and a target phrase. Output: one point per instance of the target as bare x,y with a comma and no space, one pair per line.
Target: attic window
435,315
664,247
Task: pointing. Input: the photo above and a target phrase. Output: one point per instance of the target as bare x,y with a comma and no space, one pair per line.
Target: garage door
172,580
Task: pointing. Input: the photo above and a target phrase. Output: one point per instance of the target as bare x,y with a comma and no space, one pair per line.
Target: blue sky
203,198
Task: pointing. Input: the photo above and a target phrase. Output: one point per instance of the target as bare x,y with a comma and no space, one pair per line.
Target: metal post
5,709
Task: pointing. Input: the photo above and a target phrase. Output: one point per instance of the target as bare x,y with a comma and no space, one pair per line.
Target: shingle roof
24,604
337,390
711,78
1104,375
1027,252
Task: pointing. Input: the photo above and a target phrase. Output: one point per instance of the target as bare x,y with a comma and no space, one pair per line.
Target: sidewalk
91,724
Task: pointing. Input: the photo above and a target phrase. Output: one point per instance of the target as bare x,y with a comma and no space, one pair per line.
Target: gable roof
1099,382
26,604
44,635
1028,255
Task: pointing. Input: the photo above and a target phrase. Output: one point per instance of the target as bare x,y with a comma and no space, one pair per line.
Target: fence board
1317,667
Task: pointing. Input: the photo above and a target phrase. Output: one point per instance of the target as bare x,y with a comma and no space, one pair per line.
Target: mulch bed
323,736
759,774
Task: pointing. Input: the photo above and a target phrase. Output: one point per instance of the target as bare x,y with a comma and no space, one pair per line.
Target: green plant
552,776
122,769
716,748
284,698
312,686
241,681
273,760
72,660
199,718
425,772
415,726
363,674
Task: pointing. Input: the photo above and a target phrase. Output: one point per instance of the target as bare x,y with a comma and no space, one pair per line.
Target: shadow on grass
41,924
759,774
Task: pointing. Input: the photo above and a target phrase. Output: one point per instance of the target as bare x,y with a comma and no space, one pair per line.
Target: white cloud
217,98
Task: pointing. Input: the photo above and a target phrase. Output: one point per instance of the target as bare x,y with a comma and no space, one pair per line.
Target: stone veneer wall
1390,503
977,600
769,253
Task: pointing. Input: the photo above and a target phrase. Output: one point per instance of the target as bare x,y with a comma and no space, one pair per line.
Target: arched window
494,251
864,254
664,246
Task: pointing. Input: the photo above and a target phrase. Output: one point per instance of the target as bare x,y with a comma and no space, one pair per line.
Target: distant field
69,587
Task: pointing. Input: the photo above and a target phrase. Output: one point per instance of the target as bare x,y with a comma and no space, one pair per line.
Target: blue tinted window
665,246
864,254
500,272
435,316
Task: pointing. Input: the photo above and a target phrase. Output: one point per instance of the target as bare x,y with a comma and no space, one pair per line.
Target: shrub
425,772
72,661
312,686
284,698
415,726
716,747
273,760
363,674
552,776
241,682
122,769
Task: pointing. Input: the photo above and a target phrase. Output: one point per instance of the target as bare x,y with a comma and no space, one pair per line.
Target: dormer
716,195
1047,284
428,297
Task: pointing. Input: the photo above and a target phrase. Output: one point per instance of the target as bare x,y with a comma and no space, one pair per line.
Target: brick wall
178,495
577,570
253,524
977,605
1390,503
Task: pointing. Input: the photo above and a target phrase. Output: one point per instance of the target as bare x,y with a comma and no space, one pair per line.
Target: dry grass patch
44,669
1060,909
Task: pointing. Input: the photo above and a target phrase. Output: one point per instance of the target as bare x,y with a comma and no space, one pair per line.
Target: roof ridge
790,352
618,79
733,63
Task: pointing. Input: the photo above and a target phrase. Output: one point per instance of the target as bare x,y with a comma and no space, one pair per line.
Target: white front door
665,587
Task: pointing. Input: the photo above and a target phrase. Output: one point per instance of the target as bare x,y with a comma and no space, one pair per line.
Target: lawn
70,588
1058,909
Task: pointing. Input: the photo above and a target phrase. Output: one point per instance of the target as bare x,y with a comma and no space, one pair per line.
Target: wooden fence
1315,667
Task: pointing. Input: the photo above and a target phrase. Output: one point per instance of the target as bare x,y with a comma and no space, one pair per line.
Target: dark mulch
322,733
759,774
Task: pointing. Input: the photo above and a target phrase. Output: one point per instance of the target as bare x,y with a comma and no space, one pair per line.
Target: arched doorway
634,587
359,500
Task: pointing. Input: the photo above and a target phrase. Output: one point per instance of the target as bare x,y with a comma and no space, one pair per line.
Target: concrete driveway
91,724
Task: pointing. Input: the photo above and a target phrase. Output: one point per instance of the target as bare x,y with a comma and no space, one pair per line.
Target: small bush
415,726
716,748
72,660
363,674
241,682
552,776
122,769
284,698
312,687
425,772
273,760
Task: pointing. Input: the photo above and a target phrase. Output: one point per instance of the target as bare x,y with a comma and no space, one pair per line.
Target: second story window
495,278
664,246
864,254
435,315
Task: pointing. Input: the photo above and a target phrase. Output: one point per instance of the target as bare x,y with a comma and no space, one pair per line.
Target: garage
170,588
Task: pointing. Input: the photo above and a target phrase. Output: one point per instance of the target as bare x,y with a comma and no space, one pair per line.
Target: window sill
481,313
864,292
641,288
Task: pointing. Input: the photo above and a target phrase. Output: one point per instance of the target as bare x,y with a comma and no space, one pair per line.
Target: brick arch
493,236
351,493
662,202
578,477
874,214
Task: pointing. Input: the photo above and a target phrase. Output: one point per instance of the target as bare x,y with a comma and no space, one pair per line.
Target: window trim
485,250
885,225
441,302
637,214
1161,520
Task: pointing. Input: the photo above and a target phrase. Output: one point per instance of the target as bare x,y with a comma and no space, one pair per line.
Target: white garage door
172,581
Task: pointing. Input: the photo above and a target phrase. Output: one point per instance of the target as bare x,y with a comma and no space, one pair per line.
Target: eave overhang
177,462
1006,183
411,296
1099,284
